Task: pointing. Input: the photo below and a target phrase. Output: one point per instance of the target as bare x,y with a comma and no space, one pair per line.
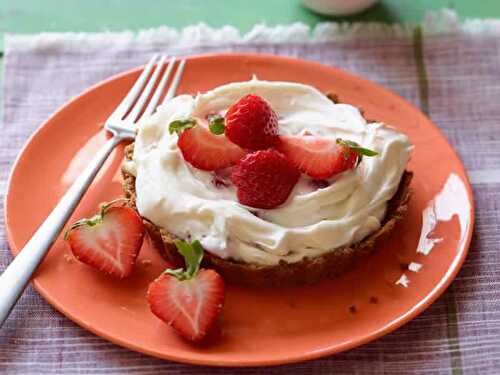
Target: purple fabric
460,333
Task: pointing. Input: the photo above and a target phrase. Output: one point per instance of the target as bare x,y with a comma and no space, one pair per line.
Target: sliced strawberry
321,158
110,241
188,300
205,150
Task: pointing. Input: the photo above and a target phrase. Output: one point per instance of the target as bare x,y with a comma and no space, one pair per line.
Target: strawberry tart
278,183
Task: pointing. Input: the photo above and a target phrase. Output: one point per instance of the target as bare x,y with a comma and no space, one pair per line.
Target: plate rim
416,310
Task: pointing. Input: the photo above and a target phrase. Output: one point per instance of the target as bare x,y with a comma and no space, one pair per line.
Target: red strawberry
321,158
188,300
203,149
110,241
264,179
251,123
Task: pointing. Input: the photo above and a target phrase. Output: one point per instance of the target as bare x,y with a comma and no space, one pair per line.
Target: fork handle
17,275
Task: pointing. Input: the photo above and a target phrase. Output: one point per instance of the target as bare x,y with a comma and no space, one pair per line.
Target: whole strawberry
251,123
188,300
109,241
264,179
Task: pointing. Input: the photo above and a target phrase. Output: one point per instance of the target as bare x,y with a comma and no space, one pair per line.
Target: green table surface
32,16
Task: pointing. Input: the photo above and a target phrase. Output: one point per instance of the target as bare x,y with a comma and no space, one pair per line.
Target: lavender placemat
451,70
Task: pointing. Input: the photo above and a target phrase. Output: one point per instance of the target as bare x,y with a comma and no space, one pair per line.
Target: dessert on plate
279,183
257,183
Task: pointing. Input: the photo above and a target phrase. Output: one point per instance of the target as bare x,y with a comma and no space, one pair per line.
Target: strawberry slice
188,300
321,158
204,149
110,241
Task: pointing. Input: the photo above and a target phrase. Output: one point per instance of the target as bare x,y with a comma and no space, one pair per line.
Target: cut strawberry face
188,299
204,149
109,241
321,158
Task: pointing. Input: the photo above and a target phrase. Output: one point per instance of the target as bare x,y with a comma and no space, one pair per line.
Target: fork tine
139,105
159,90
175,82
125,104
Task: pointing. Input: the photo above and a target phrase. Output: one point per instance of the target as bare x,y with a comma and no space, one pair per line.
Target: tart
323,226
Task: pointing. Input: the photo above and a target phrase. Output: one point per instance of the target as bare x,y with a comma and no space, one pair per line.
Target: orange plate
258,326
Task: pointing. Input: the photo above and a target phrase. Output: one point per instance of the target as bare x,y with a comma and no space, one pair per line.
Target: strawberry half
188,300
204,149
322,158
110,241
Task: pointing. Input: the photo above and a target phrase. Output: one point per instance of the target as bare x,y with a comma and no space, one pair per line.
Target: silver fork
121,124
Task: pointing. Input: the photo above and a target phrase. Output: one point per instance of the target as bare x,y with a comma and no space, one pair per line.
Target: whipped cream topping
318,217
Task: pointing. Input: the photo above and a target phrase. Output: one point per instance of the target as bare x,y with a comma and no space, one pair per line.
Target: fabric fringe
435,23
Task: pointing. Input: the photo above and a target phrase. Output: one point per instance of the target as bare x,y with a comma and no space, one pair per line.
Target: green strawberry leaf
179,273
94,220
97,218
193,254
216,125
178,126
364,151
361,151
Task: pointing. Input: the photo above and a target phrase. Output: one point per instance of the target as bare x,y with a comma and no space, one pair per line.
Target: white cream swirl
186,201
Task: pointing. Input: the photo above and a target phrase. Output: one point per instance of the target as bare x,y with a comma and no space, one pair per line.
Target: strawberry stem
193,254
361,151
216,125
94,220
178,126
354,146
107,205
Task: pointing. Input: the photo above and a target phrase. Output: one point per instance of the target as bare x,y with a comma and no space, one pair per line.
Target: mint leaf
193,254
216,125
178,126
